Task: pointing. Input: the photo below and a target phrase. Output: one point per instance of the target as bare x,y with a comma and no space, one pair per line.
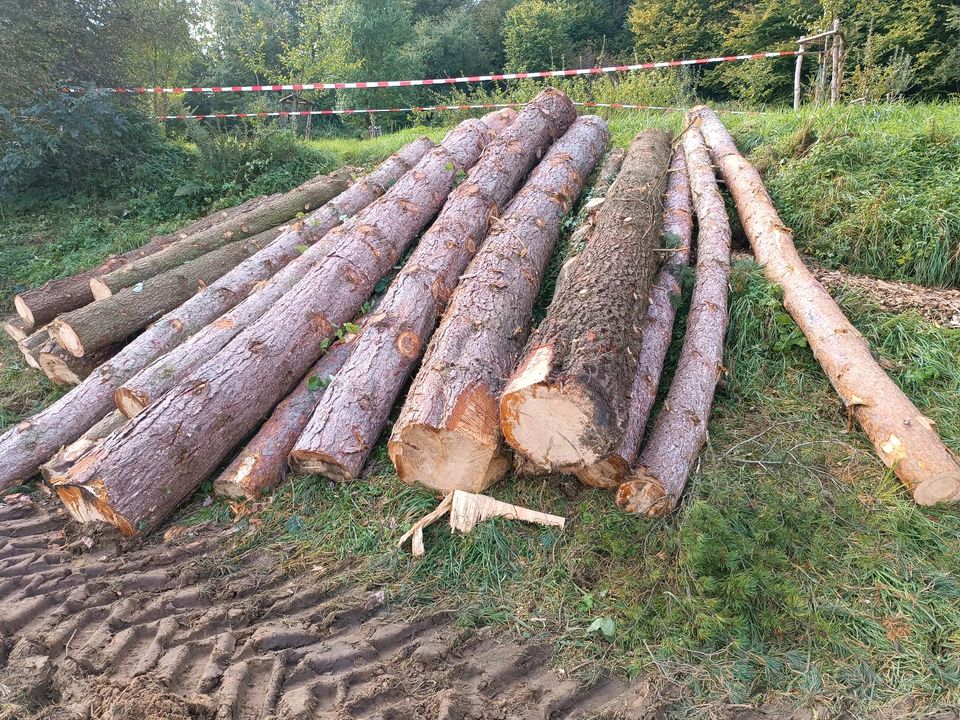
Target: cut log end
607,474
314,462
16,328
58,369
446,460
67,337
943,488
100,289
130,402
86,507
643,495
23,310
241,483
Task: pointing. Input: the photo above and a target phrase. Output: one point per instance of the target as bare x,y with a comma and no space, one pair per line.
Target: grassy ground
796,567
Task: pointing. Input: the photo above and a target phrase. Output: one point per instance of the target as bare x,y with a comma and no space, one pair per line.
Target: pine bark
150,383
138,475
63,368
31,346
566,405
116,318
24,447
448,434
656,331
270,213
57,466
605,177
680,429
16,328
902,436
353,412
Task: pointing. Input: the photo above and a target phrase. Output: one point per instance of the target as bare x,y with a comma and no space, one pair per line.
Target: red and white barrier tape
452,81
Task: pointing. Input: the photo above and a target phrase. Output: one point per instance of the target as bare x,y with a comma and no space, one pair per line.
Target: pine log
903,437
31,346
680,430
353,412
57,466
138,475
64,368
448,434
154,380
24,447
280,209
605,177
41,305
16,328
119,316
656,331
566,405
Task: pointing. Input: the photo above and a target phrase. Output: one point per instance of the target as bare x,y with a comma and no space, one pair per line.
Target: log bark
154,380
353,412
140,473
57,466
566,405
605,177
31,346
16,328
680,429
656,331
28,444
902,436
271,213
448,434
119,316
64,368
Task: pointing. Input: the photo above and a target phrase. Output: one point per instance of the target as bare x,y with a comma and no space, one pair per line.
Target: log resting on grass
904,438
24,447
605,176
680,429
354,410
64,368
566,405
448,434
270,213
656,330
16,328
154,380
138,475
119,316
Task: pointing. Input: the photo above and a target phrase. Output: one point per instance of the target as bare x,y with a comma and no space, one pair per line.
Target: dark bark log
63,368
167,371
448,434
57,466
680,429
656,330
566,405
16,328
31,346
271,213
25,446
353,412
605,176
903,437
139,474
119,316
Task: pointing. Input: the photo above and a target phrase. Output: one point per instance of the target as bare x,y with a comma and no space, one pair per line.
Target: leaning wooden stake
24,447
903,437
656,331
448,434
566,405
140,474
680,430
352,414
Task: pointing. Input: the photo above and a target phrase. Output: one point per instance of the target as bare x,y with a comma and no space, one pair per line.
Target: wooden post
821,81
796,75
835,63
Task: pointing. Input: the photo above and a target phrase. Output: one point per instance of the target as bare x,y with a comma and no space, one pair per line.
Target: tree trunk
680,430
278,209
154,380
139,474
31,346
63,368
566,405
605,177
119,316
903,437
656,330
353,412
28,444
16,328
448,434
41,305
57,466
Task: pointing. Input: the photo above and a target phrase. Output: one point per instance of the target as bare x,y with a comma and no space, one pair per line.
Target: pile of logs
282,333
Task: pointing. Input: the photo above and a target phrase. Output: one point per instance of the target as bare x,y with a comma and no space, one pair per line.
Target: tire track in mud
146,629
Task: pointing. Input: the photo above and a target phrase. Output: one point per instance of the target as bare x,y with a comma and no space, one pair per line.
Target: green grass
796,568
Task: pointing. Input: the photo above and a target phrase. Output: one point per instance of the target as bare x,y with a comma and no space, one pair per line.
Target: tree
537,34
450,45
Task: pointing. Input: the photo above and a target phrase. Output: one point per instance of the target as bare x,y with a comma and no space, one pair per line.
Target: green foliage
450,45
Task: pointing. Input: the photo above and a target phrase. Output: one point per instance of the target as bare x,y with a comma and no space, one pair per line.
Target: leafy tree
489,18
450,45
537,34
664,29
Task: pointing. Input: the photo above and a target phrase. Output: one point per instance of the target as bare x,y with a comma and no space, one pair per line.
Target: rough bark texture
353,412
119,316
58,465
16,328
656,330
41,305
566,404
64,368
262,464
448,434
903,437
680,430
607,174
167,371
139,474
31,346
28,444
270,213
